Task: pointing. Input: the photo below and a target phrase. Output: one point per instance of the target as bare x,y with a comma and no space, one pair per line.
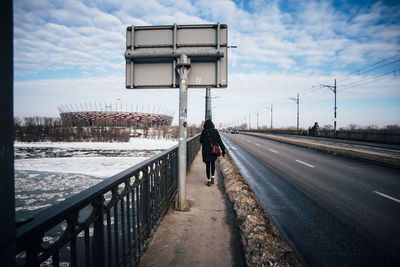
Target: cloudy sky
69,52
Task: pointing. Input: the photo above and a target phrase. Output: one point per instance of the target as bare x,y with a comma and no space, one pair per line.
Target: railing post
144,206
165,172
98,234
32,253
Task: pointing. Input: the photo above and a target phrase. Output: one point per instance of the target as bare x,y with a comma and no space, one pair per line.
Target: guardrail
108,224
378,136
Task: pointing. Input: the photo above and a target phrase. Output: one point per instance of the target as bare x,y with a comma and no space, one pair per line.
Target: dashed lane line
386,196
258,145
302,162
276,152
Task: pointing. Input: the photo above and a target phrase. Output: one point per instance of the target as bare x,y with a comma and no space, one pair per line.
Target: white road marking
302,162
389,197
234,148
249,141
276,152
258,145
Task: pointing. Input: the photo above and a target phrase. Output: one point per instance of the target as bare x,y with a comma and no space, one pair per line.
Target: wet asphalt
332,211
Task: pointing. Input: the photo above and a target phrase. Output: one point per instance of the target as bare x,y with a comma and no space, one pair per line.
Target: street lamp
297,102
333,88
208,108
271,108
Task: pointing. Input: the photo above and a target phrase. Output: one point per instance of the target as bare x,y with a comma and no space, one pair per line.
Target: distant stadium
109,115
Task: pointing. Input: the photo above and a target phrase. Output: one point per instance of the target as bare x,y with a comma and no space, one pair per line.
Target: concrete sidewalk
203,236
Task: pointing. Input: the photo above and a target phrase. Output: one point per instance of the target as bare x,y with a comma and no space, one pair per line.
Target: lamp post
297,102
257,118
271,108
208,109
333,89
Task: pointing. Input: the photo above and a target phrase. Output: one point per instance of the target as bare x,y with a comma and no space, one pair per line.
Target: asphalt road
333,211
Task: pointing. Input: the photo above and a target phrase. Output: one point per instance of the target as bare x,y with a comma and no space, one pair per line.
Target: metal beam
171,54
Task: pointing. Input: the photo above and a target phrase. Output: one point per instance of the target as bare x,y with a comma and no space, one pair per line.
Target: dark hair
208,124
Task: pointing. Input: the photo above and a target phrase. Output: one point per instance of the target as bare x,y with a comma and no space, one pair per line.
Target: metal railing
377,136
108,224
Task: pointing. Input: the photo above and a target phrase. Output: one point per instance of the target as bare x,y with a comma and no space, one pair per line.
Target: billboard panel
152,54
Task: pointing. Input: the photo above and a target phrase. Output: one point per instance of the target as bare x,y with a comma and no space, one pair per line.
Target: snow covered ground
47,173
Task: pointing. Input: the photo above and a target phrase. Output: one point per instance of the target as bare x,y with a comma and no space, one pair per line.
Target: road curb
375,158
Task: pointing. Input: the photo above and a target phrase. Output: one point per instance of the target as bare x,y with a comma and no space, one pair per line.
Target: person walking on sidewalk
210,137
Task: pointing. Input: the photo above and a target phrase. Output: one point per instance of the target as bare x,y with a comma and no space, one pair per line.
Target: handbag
214,148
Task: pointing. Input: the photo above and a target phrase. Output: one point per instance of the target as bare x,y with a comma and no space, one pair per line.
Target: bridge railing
108,224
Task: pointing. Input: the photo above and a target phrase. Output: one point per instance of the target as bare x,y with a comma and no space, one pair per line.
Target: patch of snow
133,144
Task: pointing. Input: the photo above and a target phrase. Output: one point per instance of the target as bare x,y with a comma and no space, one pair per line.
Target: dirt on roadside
262,244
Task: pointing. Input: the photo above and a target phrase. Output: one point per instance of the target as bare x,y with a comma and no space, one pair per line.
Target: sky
71,52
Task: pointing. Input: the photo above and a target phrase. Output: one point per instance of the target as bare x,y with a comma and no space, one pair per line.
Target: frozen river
48,173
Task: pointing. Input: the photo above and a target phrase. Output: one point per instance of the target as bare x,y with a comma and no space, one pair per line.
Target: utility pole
257,118
297,102
271,116
208,109
271,108
333,88
249,121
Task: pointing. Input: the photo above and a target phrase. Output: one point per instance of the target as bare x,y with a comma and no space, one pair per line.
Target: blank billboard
152,53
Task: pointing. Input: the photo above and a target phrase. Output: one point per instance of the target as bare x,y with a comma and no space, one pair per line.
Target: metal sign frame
152,54
164,56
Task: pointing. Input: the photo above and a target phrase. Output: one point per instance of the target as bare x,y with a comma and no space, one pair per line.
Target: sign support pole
172,48
208,104
183,69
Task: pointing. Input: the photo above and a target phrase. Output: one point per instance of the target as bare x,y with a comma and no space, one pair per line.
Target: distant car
234,131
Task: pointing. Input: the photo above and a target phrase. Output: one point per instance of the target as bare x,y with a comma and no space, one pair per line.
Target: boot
212,179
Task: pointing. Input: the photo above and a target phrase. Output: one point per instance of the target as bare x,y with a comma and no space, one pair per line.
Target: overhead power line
361,70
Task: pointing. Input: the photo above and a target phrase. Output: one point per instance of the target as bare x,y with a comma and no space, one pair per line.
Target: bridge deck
202,236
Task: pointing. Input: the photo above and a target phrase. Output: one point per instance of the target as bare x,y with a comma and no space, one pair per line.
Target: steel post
271,116
208,104
334,123
7,200
183,68
298,115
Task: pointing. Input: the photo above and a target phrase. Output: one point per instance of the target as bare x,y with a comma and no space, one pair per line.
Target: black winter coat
206,146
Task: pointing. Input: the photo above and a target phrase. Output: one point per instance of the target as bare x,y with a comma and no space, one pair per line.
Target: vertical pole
250,121
257,118
98,258
208,104
334,123
298,102
183,68
7,200
271,116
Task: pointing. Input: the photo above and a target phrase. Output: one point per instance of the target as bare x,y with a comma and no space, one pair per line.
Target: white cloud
278,54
